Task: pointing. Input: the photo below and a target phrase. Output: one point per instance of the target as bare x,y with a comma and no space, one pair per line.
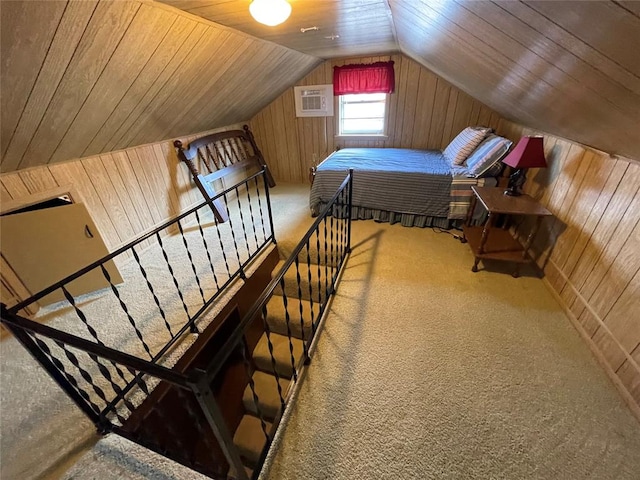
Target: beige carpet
427,370
424,370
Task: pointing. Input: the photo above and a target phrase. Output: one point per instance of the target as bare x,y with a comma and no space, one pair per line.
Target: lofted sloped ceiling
84,77
571,68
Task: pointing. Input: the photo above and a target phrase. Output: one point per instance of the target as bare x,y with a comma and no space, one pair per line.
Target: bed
421,188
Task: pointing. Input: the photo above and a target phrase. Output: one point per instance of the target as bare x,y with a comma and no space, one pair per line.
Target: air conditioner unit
314,100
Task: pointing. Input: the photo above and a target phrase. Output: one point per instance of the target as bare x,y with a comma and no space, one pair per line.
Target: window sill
363,137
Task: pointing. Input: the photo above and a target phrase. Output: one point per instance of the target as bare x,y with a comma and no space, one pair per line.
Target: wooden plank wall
590,250
424,112
84,78
126,192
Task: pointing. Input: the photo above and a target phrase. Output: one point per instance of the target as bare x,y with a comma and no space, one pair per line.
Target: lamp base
512,192
516,180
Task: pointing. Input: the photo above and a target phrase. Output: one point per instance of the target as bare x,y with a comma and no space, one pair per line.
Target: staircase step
250,439
291,281
268,397
277,319
281,354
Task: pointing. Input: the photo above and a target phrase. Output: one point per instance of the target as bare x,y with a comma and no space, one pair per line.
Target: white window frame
382,133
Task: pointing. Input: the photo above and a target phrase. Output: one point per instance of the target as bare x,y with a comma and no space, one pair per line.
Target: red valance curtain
364,78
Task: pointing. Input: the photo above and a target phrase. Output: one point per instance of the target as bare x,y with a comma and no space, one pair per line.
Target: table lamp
529,153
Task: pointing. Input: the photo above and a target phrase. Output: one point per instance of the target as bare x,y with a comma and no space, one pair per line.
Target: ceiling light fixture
270,12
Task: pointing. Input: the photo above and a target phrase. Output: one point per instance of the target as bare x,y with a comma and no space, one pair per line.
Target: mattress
390,179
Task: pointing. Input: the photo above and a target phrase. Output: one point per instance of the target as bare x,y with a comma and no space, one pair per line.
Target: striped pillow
464,143
487,155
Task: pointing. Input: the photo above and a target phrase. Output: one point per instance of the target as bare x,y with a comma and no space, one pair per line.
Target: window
362,114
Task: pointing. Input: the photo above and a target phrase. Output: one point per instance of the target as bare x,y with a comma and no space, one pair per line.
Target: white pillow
464,143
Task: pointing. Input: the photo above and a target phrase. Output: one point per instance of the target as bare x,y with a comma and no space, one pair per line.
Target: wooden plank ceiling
80,78
565,67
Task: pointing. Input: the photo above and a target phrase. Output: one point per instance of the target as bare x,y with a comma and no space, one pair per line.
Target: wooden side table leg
516,271
475,265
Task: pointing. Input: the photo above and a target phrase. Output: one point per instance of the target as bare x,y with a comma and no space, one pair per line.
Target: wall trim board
611,374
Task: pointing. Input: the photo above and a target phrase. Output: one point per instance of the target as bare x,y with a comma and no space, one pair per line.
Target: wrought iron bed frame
328,238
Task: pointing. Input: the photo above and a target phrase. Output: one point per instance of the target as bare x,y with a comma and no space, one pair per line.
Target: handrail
216,363
101,351
34,298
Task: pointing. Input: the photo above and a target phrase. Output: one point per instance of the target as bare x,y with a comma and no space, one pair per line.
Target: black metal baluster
153,293
266,192
253,220
114,386
175,281
312,313
126,310
193,267
287,319
233,235
224,253
256,400
70,378
333,241
350,210
90,329
264,231
301,308
319,262
326,261
267,332
83,373
244,229
206,249
339,230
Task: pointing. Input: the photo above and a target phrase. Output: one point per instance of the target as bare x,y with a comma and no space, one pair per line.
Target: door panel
45,246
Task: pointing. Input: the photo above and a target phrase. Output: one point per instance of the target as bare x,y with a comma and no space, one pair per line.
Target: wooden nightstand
489,242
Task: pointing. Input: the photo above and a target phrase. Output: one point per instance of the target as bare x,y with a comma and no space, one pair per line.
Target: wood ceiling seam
126,125
42,145
128,140
54,90
128,89
204,92
601,57
176,106
35,81
63,47
521,71
555,22
138,93
605,73
576,83
211,23
97,80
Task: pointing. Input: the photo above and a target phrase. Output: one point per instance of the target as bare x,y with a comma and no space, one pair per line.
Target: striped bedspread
461,194
419,182
391,179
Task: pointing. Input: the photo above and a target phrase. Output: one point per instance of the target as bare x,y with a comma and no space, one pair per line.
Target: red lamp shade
528,153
